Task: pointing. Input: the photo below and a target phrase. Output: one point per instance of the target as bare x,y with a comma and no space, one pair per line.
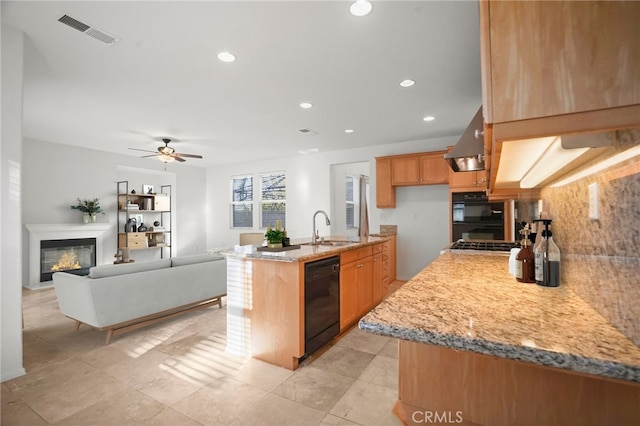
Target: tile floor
178,373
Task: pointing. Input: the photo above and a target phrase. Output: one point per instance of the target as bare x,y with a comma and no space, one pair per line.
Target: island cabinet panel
546,58
348,294
359,290
277,314
385,192
470,388
377,277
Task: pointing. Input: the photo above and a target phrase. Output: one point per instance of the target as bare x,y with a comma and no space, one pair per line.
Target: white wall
10,182
421,213
54,175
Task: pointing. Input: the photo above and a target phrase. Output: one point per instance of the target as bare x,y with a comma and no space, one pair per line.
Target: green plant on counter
274,236
88,206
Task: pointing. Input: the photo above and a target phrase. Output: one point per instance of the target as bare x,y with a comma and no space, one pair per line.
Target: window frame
234,203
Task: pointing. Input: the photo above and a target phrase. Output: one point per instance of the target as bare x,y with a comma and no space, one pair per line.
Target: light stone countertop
470,302
305,253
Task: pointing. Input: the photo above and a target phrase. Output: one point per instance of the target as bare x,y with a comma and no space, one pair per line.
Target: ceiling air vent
88,30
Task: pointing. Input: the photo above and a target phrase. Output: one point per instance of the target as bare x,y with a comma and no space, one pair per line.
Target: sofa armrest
75,297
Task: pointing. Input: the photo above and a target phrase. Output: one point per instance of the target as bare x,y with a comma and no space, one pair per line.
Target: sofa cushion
196,258
127,268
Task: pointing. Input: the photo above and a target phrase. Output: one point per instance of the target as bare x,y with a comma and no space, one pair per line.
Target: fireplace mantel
59,231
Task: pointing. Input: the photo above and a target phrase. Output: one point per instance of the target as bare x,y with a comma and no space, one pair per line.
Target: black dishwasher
321,302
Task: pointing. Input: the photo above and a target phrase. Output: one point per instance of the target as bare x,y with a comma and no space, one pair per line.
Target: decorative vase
86,218
274,245
94,218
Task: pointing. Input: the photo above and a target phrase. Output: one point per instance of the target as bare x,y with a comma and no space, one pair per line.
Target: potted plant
274,237
90,208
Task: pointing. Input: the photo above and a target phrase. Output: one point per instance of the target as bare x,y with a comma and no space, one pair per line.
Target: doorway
347,205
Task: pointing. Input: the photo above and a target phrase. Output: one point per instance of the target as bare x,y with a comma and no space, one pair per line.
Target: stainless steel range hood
468,154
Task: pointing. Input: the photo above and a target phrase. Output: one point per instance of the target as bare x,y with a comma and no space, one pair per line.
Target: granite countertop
303,254
470,302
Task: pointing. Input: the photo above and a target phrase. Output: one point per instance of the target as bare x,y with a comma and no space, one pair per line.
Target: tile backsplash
601,258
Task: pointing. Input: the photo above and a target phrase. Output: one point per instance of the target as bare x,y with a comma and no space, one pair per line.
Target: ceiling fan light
165,158
361,8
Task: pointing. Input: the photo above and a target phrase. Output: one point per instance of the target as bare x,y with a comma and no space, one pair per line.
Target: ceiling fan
167,154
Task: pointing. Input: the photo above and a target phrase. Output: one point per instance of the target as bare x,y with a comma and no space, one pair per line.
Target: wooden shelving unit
156,207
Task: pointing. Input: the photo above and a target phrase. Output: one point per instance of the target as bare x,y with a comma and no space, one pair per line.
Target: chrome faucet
314,236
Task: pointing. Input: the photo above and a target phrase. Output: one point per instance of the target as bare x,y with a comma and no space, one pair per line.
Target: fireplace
74,255
39,233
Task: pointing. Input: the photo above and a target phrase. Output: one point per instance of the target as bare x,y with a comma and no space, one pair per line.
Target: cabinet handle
359,266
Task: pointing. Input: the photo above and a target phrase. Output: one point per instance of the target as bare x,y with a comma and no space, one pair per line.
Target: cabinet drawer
353,255
132,240
377,248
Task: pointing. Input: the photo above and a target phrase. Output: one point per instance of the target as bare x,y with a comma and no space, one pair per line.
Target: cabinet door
377,277
393,242
385,192
434,169
548,58
348,294
364,279
462,179
405,170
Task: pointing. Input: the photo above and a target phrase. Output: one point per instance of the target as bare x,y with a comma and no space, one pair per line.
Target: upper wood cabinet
385,193
545,58
556,68
419,169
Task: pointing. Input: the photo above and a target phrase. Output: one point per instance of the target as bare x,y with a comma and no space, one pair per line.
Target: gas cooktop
484,245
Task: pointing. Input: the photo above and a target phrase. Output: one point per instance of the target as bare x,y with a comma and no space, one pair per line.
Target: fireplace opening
75,256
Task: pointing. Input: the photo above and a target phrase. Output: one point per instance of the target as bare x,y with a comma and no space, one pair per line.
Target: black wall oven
474,217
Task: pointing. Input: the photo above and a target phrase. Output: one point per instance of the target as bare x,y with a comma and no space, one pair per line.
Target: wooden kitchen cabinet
360,283
467,181
385,192
419,169
547,59
377,277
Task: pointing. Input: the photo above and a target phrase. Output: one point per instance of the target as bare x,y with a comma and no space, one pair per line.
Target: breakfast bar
269,309
478,347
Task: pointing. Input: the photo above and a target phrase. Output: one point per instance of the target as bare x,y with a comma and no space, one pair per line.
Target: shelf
157,204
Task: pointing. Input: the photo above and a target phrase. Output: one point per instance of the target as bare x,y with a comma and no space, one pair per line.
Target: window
350,201
242,202
273,196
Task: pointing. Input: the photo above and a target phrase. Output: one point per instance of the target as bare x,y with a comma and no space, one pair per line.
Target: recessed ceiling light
349,131
305,105
360,8
407,83
226,57
429,118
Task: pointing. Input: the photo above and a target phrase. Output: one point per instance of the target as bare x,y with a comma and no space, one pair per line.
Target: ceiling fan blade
187,155
143,150
182,160
147,156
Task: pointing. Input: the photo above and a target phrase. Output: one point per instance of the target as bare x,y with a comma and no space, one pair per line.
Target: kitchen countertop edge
399,316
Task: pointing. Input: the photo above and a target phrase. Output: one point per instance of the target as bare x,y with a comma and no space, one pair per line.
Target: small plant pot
274,245
86,218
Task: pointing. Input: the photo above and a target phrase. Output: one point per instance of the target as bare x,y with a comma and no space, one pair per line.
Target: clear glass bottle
538,254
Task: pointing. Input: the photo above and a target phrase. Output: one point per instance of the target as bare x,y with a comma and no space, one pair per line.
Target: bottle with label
525,266
550,262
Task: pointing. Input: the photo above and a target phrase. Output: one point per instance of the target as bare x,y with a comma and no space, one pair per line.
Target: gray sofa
123,297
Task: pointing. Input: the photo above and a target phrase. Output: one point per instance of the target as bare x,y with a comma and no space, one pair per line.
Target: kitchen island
478,347
266,294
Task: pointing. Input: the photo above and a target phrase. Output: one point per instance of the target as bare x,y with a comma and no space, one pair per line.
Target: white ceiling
163,79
